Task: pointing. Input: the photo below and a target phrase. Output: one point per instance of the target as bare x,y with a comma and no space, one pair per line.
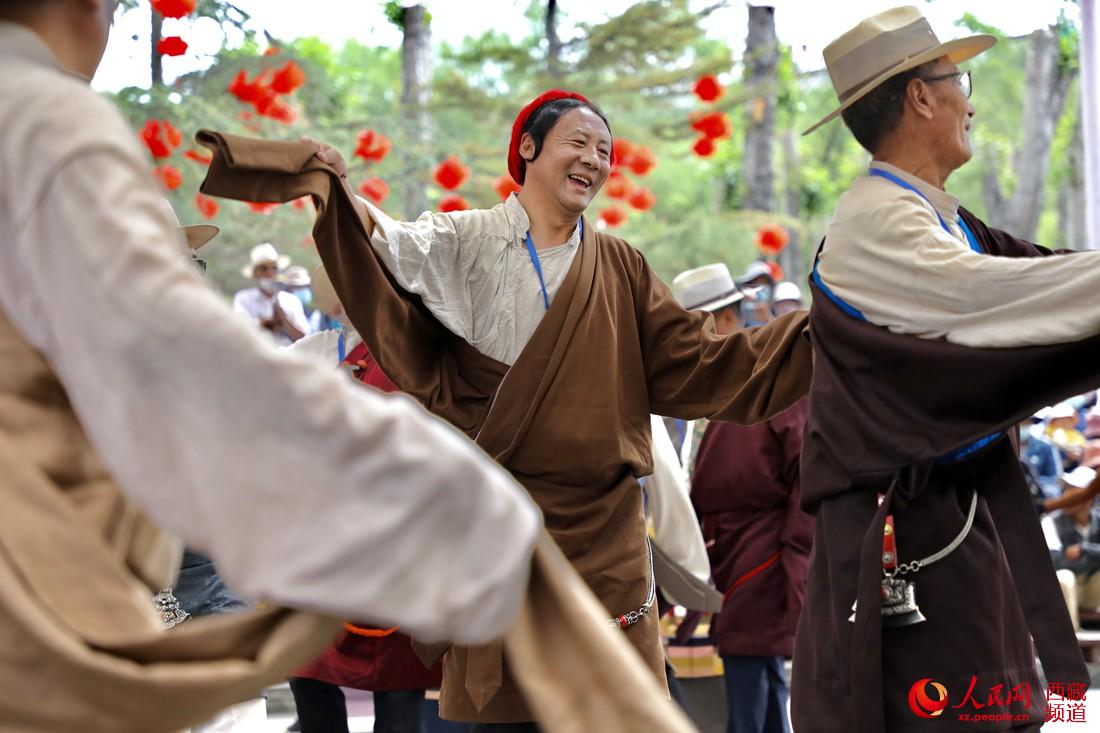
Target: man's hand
329,155
1073,553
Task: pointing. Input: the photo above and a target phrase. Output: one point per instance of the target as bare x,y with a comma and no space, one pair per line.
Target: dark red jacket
368,658
745,490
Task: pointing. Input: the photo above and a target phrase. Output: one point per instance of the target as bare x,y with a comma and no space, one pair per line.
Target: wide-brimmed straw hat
707,288
196,235
264,254
886,44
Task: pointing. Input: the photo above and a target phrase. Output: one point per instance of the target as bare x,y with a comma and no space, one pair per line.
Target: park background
426,93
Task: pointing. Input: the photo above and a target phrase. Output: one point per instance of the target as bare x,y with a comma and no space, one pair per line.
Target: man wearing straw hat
933,339
275,310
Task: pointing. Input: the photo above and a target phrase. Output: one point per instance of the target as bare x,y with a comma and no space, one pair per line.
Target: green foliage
639,66
395,13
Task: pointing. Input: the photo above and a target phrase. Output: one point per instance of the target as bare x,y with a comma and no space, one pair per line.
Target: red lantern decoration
505,186
280,112
299,203
704,147
771,239
172,46
613,216
207,206
198,157
169,176
173,8
375,189
641,161
373,146
453,202
776,270
621,150
708,88
713,125
288,78
451,173
247,91
618,186
262,208
642,199
161,137
272,50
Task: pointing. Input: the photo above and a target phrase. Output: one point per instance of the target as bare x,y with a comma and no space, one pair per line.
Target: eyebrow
586,135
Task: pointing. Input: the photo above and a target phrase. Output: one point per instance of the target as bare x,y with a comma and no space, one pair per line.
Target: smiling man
547,341
934,335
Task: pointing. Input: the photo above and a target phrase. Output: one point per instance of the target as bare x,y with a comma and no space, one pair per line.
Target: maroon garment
884,409
380,660
745,490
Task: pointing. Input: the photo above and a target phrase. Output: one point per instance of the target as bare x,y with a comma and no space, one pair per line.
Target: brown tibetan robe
884,409
81,648
570,418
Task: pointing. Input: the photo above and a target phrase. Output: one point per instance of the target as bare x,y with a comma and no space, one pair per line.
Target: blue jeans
200,589
756,695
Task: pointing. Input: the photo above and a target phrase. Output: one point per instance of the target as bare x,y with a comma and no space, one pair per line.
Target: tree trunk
553,49
416,91
761,62
156,65
1048,82
1090,122
1071,198
791,259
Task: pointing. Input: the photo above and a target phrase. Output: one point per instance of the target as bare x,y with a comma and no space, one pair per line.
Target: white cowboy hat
707,288
196,235
262,254
886,44
296,276
755,270
787,290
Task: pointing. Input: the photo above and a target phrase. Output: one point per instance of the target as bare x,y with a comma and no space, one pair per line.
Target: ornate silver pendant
899,603
168,606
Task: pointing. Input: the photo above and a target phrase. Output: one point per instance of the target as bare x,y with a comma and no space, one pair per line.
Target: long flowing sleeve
425,259
745,377
887,256
675,527
308,491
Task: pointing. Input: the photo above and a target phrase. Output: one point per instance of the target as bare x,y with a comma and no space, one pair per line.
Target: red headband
517,166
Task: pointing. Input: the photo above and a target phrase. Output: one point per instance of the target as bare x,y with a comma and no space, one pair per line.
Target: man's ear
527,147
918,96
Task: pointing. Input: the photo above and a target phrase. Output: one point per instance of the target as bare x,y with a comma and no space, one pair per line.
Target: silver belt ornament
630,618
899,596
169,609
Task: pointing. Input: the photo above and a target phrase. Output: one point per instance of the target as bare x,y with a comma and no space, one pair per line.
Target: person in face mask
758,285
268,304
297,282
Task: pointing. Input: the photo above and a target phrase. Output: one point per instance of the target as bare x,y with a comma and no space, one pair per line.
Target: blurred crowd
1060,454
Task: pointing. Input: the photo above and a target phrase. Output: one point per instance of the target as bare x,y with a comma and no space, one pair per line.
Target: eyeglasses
199,263
963,80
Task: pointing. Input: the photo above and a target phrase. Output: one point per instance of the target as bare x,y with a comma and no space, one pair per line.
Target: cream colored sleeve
425,258
892,261
675,527
307,490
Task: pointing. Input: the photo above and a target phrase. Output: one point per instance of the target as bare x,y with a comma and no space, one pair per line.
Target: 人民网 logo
922,703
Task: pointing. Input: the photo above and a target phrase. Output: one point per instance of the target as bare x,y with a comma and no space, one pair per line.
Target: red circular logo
922,704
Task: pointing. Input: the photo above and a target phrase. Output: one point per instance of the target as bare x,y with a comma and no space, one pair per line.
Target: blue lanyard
538,265
904,184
